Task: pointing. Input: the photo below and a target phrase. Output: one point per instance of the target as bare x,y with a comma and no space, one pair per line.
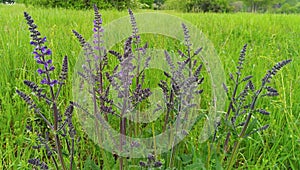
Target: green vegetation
270,6
270,38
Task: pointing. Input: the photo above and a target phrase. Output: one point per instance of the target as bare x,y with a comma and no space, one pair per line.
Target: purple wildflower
40,71
53,82
44,81
51,68
50,83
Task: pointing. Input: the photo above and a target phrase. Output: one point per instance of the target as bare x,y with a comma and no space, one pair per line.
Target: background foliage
273,6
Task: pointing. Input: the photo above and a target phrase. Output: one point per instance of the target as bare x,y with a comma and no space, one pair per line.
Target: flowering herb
127,80
243,105
56,125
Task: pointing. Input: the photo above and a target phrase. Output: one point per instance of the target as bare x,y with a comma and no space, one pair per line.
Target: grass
271,38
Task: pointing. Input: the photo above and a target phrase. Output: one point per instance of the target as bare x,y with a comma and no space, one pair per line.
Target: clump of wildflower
57,127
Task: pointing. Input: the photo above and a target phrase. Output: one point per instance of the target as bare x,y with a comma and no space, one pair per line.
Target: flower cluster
151,162
135,34
38,163
98,32
40,52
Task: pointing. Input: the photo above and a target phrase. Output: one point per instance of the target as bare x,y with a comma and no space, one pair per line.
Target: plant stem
57,140
228,112
123,124
243,132
169,105
233,155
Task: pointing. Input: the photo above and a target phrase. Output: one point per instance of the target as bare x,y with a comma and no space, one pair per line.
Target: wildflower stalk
40,53
232,99
252,108
136,40
183,89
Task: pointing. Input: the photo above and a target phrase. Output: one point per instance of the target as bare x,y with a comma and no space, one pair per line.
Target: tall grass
271,38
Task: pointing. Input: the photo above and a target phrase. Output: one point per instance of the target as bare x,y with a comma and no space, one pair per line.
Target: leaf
90,165
196,165
186,158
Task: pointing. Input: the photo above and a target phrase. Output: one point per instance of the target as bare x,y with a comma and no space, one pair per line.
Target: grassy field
271,38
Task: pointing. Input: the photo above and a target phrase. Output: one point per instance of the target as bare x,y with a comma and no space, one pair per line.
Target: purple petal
96,36
44,40
39,61
51,68
44,81
48,52
49,62
43,49
32,43
40,71
36,55
53,82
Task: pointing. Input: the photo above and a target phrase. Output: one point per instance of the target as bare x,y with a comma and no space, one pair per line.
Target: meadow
270,38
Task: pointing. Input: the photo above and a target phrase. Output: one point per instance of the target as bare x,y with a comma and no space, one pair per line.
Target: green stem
233,155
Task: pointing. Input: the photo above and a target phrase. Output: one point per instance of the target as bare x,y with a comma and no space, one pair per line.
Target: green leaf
90,165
